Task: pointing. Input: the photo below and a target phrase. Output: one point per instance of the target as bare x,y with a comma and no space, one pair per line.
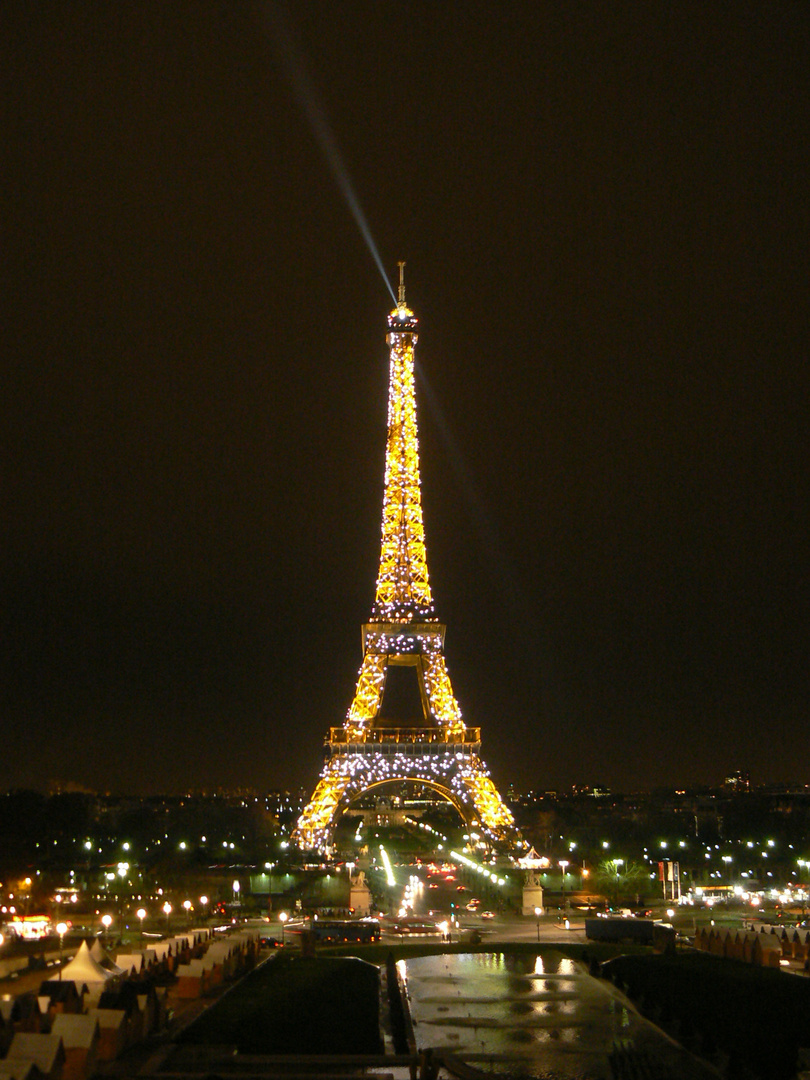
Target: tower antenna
401,295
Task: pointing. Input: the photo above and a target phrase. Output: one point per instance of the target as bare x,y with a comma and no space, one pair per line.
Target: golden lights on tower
403,589
403,629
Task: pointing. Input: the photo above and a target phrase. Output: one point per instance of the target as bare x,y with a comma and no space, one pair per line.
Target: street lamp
538,912
727,859
106,922
61,929
563,867
282,918
141,913
187,906
618,863
803,864
167,910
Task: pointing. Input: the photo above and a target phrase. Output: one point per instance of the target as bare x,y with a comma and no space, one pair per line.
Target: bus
336,930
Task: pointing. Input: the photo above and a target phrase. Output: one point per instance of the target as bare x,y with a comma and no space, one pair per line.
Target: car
473,905
487,914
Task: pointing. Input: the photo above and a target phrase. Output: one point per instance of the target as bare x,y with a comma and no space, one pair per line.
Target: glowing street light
141,913
282,918
728,859
187,906
563,867
538,912
167,910
61,929
106,922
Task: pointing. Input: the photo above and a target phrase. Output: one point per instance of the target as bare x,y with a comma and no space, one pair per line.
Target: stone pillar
532,894
360,895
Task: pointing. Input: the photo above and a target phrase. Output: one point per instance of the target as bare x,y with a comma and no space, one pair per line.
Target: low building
46,1052
112,1024
80,1038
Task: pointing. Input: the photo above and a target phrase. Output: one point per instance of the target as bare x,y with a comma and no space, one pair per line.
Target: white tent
102,957
84,970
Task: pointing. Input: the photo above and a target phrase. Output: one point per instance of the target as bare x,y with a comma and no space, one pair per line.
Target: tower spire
403,591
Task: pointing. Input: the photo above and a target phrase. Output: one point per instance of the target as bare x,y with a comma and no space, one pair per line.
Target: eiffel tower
439,751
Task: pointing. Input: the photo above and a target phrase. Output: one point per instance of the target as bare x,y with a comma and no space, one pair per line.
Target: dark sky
604,210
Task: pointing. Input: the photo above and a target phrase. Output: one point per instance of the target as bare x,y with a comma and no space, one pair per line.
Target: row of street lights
141,913
107,921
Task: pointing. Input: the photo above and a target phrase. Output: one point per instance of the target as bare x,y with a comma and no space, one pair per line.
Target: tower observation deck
434,748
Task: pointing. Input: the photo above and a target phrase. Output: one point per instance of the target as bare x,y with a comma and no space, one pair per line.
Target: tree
613,876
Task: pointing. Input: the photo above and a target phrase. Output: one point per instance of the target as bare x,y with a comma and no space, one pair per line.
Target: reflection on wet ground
542,1017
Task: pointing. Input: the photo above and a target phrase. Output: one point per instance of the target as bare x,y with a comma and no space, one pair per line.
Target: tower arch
380,786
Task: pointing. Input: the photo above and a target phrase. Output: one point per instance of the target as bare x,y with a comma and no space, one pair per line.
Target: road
441,892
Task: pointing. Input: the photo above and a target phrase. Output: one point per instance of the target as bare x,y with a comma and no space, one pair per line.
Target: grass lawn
297,1005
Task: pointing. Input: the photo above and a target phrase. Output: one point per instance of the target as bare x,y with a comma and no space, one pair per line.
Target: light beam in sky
309,100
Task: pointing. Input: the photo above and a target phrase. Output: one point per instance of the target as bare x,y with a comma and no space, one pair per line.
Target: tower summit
436,748
403,591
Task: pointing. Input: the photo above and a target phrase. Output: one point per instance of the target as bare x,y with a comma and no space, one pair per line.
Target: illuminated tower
439,750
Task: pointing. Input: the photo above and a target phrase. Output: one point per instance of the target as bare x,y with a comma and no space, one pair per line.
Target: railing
424,1065
410,736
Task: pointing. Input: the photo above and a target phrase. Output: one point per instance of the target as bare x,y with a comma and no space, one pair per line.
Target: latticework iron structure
439,751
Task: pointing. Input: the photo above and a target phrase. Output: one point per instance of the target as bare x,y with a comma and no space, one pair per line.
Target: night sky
604,212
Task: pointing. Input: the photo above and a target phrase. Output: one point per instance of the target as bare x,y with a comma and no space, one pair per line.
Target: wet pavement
543,1017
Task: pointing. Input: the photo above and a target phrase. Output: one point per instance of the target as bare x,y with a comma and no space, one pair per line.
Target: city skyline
604,219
